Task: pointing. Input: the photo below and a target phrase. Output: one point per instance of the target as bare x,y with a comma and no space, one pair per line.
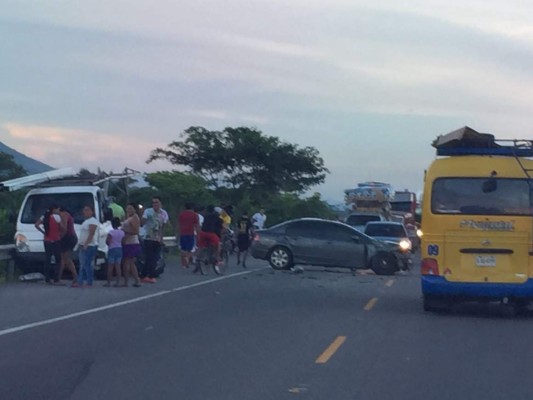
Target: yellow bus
477,221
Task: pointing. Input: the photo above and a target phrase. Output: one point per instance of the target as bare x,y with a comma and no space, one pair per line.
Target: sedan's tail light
430,266
256,237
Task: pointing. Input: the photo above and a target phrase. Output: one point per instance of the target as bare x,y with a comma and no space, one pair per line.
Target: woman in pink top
114,253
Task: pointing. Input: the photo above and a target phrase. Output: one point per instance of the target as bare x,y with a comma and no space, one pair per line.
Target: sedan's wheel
384,264
280,258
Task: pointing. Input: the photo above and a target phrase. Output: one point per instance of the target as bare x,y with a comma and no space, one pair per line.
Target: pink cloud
61,147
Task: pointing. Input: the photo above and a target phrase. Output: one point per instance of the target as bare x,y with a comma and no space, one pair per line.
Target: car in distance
393,233
319,242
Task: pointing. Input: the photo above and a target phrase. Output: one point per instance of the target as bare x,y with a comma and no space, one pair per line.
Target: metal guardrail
7,253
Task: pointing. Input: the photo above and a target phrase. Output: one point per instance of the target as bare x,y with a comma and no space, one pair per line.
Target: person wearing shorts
244,238
131,248
211,231
189,225
114,253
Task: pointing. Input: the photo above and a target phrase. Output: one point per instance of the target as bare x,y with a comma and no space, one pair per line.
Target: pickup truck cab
359,220
29,241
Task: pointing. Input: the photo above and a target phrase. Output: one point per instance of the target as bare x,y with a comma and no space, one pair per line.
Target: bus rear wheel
436,304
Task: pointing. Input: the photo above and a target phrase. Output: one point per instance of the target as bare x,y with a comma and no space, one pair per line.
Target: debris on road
33,277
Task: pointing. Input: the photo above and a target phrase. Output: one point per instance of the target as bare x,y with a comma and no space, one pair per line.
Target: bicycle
226,250
206,257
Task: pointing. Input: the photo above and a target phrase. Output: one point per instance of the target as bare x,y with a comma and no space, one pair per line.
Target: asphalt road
321,334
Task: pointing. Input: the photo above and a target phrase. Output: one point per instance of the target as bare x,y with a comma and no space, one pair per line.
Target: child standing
114,254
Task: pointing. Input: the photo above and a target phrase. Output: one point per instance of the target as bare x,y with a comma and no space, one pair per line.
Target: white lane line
121,303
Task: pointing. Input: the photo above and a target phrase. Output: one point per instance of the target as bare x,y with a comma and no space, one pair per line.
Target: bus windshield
481,196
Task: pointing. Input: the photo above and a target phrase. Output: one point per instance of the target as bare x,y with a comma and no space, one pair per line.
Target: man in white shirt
259,219
154,220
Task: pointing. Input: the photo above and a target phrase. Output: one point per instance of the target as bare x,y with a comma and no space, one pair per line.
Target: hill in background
31,165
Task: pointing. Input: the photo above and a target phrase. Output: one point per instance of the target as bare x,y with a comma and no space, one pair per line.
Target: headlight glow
21,242
419,233
405,245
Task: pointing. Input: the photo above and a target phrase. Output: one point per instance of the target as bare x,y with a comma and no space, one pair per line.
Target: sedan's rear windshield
356,220
481,196
37,204
385,230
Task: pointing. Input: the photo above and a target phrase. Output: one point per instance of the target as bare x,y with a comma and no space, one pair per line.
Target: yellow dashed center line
370,305
331,350
389,283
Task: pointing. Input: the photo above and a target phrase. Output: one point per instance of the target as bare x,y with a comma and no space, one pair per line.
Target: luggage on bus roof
465,137
467,141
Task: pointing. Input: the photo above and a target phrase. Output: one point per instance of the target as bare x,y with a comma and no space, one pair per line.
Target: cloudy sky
370,84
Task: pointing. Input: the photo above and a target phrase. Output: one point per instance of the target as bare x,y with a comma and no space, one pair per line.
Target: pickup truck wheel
280,258
384,264
101,273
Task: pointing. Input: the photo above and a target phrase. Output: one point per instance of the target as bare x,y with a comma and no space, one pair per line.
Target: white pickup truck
29,241
359,220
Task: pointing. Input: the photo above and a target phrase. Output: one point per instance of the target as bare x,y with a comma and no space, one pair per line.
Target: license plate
486,261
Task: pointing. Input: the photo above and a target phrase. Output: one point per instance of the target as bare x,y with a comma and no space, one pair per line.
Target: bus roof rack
467,141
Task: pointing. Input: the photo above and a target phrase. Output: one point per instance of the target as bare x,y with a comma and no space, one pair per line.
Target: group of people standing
134,233
199,228
60,239
124,244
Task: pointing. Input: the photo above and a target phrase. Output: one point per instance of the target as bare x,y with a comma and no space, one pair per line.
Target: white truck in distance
369,202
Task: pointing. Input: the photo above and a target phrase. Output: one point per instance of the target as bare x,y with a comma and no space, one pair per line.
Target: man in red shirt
188,225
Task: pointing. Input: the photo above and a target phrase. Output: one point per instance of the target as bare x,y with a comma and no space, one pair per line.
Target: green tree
245,159
177,188
9,201
288,206
9,169
9,205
